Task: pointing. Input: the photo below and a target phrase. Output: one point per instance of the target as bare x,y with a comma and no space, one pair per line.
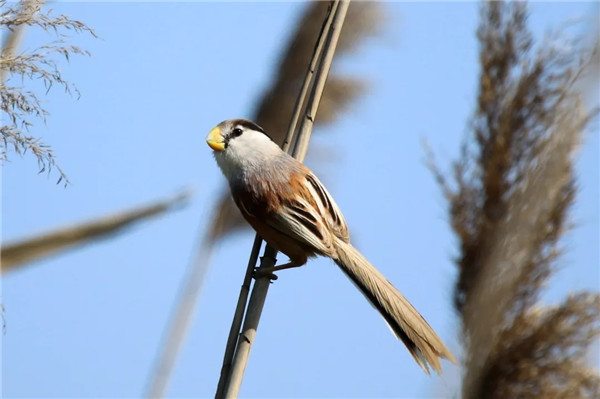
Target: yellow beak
215,139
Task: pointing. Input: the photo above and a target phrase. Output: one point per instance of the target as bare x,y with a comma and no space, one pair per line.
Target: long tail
406,322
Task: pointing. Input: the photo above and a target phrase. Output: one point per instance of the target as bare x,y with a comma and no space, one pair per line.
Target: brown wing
309,216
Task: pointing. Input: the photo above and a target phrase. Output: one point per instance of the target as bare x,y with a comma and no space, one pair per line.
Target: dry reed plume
509,199
21,106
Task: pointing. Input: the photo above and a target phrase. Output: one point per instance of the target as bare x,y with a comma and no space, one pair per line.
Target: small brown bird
291,210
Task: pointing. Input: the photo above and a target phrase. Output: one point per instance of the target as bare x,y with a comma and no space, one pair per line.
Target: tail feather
404,320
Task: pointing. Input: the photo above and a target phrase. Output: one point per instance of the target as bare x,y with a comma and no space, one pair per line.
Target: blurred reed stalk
20,253
273,113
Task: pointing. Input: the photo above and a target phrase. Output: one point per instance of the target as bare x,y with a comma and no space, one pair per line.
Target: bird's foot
268,271
262,272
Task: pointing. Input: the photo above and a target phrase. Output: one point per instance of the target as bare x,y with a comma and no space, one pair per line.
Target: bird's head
240,144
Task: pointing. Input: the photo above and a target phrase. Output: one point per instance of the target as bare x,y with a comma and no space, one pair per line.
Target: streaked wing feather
312,217
327,208
302,223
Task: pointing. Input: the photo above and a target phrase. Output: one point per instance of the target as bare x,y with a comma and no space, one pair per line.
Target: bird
293,212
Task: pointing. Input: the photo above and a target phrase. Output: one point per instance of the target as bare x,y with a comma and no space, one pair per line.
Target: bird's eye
237,132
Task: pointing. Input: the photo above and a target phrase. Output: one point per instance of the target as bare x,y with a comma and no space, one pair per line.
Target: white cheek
246,149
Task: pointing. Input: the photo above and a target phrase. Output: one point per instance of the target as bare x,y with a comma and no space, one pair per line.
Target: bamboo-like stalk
314,62
261,286
236,323
315,99
251,319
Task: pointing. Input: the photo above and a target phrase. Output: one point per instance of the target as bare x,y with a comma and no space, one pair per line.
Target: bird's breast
256,198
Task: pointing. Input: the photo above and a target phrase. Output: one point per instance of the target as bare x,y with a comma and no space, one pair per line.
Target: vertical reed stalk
229,386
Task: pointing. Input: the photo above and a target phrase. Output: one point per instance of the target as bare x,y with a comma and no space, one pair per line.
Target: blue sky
88,323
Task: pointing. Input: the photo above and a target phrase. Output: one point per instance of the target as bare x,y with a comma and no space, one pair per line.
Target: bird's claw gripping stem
268,271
